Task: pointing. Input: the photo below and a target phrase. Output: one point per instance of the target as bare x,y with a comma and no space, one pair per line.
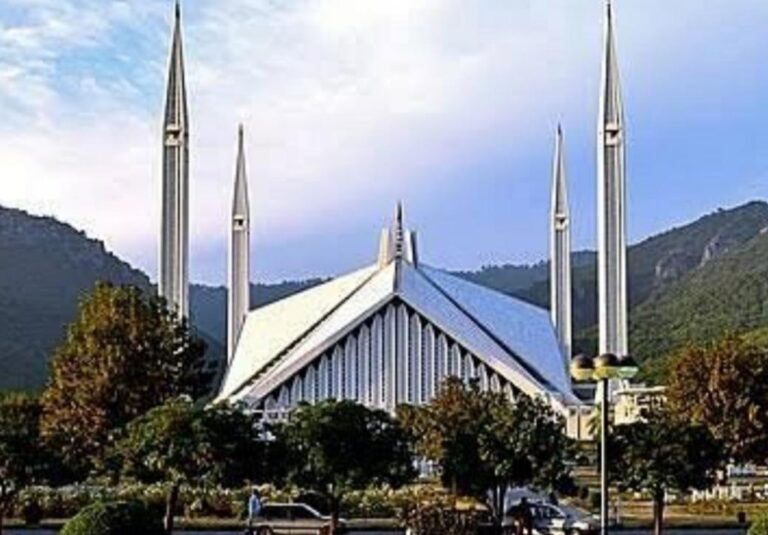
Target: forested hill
690,283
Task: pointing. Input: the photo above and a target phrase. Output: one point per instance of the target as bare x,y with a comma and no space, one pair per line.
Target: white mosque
390,332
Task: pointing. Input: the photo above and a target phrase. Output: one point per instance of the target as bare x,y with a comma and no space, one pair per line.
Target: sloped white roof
269,330
514,338
523,328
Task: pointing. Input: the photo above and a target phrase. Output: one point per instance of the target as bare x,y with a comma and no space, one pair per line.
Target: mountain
726,295
690,283
45,268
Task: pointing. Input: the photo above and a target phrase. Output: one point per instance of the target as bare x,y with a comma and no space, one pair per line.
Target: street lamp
602,369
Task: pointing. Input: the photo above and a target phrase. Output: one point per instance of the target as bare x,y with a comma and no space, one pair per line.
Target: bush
32,513
594,500
434,511
760,525
114,518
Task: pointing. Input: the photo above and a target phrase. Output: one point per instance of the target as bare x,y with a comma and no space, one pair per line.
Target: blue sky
348,106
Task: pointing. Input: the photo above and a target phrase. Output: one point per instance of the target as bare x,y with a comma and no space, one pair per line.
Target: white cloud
345,103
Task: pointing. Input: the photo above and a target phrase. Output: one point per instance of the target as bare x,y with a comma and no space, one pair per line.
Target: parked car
557,520
291,519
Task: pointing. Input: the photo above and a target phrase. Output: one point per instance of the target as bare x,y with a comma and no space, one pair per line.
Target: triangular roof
514,338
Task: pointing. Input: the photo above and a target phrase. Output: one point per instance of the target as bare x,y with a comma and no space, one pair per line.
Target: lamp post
601,370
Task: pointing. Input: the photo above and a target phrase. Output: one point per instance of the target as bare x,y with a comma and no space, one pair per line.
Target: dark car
290,519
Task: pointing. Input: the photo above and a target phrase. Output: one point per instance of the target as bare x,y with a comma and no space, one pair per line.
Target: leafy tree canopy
179,442
725,387
662,453
124,354
22,457
334,447
482,442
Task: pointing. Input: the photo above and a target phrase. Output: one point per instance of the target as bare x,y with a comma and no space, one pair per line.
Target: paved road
621,532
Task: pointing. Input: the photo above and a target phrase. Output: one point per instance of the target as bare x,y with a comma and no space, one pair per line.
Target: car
290,519
557,520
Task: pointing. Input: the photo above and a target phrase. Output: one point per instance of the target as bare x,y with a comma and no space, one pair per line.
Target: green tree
661,453
22,457
725,387
180,443
483,443
123,354
334,447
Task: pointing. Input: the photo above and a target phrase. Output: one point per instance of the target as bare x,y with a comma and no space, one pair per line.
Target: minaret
239,301
560,253
174,240
611,216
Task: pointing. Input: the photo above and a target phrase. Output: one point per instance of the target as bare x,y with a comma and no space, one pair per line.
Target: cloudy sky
350,105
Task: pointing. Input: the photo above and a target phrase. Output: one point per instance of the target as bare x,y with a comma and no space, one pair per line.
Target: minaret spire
238,299
174,240
398,232
611,178
560,252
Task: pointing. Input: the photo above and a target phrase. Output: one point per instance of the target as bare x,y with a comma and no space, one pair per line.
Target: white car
557,520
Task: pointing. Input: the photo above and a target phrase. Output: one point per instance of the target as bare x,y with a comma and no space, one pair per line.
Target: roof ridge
525,365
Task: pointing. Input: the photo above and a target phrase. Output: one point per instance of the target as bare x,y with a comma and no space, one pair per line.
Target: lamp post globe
607,366
628,367
582,368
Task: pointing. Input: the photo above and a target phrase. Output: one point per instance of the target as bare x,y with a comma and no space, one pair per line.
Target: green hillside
729,295
691,283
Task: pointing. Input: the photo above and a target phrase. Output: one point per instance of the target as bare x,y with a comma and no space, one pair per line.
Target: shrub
433,511
114,518
594,500
32,513
760,525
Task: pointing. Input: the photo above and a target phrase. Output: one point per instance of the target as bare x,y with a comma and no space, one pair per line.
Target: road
622,532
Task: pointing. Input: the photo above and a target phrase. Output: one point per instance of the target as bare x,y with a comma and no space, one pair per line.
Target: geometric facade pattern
395,356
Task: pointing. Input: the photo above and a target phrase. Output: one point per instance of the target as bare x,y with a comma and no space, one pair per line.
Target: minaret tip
177,10
398,231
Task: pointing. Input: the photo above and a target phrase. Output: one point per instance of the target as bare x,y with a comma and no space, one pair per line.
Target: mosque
391,332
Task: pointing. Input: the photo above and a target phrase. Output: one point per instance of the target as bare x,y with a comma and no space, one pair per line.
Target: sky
350,105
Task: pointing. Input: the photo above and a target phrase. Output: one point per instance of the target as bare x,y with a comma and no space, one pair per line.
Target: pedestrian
525,522
254,508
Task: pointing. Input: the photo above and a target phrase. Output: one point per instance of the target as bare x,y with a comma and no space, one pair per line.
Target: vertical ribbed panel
364,365
403,356
350,369
377,360
441,361
455,360
396,357
337,382
389,378
467,368
483,375
429,356
417,360
495,384
297,394
322,378
310,384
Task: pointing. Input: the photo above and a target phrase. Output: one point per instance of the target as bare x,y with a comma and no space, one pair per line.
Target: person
254,508
522,517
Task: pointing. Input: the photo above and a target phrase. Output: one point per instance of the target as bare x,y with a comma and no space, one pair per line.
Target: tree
22,457
483,443
334,447
180,443
660,453
725,387
124,354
